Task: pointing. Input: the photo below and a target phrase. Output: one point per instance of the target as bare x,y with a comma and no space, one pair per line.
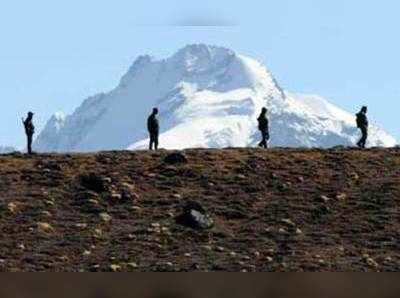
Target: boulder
94,182
175,158
195,216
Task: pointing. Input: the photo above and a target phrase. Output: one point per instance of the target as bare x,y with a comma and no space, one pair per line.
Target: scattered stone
21,246
177,196
45,227
269,259
324,199
87,253
299,232
132,265
105,217
288,222
207,247
115,268
282,231
81,225
195,217
270,251
46,214
12,207
220,249
49,203
94,182
115,197
370,261
241,176
175,158
136,208
188,255
388,259
341,196
257,254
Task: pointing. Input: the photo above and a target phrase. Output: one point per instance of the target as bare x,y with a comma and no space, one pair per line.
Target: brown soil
274,210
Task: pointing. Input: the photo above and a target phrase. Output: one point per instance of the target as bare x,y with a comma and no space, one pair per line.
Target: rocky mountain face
209,97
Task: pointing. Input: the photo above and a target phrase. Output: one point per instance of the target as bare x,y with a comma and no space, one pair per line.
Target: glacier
208,97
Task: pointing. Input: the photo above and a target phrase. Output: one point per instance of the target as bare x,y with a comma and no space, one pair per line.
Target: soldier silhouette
263,126
362,124
153,127
29,130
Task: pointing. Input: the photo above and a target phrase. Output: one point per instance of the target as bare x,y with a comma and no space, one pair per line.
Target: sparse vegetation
274,210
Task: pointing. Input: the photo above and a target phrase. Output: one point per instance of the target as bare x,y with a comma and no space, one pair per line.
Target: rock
136,209
12,207
116,197
269,259
195,216
324,199
207,247
45,227
299,232
49,203
128,193
175,158
81,226
257,254
94,182
132,265
87,253
105,217
97,233
46,214
220,249
341,196
288,222
115,268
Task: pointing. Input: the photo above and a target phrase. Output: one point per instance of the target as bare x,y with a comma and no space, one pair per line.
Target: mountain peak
208,96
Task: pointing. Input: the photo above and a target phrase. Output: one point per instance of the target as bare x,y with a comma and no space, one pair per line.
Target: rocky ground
274,210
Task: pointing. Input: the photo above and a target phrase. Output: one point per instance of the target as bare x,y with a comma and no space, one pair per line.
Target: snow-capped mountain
208,97
6,149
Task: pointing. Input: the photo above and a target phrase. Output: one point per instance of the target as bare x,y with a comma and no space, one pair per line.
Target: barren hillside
274,210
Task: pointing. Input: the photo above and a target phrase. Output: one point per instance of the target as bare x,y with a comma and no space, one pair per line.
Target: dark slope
276,210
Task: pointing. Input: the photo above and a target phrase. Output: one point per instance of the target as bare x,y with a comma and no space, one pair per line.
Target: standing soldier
29,130
154,129
263,126
362,124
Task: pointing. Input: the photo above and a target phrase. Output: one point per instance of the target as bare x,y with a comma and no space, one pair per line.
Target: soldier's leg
30,144
359,142
151,142
261,144
264,141
156,141
364,137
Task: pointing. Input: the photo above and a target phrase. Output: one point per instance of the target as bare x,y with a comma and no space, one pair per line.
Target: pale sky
54,54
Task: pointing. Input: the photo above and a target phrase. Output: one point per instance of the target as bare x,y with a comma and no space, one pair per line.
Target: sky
54,54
